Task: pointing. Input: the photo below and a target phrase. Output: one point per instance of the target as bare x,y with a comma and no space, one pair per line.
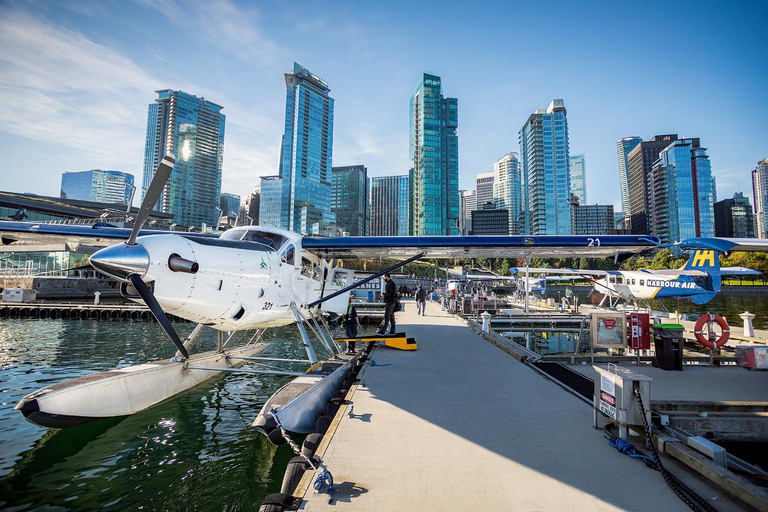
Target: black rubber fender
310,444
278,502
322,423
293,473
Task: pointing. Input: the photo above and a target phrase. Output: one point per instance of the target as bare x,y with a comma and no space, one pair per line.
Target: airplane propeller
130,261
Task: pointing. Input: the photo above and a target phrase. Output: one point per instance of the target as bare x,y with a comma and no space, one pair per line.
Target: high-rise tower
507,191
546,177
623,147
349,199
434,158
307,149
389,206
760,195
578,170
192,129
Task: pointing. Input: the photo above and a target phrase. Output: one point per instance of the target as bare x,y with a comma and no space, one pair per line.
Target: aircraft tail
709,262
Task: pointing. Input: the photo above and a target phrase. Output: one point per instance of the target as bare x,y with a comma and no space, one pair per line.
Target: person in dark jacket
351,324
390,301
421,300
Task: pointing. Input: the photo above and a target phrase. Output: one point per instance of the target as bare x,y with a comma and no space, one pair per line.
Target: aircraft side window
613,280
288,255
642,282
633,281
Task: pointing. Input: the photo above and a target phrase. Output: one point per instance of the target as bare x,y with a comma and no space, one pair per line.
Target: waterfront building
349,199
577,169
389,206
229,204
593,219
249,209
623,148
467,204
734,217
434,159
192,129
546,178
98,186
681,193
507,191
306,153
640,160
484,184
270,200
490,220
760,196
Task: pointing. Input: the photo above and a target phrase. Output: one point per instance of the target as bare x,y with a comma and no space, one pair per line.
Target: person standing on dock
421,300
390,301
351,325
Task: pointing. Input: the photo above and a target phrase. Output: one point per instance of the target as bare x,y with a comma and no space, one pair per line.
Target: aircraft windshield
272,240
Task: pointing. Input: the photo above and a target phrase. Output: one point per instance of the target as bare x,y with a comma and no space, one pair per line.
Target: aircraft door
337,279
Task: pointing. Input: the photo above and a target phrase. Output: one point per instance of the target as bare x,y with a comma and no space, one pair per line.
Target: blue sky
76,78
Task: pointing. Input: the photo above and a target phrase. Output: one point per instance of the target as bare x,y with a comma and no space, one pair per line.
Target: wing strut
363,281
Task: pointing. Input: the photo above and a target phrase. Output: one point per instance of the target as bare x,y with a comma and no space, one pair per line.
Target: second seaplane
248,279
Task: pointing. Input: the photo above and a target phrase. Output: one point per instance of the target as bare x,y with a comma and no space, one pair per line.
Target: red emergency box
639,331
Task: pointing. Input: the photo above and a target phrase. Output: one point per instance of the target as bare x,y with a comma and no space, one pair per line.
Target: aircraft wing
739,271
586,274
97,235
477,246
726,244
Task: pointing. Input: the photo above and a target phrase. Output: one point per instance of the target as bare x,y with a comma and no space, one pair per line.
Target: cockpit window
289,254
271,240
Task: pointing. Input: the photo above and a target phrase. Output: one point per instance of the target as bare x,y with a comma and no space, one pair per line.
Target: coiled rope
323,478
627,448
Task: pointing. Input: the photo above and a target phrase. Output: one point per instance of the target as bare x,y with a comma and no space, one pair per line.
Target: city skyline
83,104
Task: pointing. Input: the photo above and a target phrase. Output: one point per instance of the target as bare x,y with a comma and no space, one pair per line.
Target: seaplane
698,280
249,278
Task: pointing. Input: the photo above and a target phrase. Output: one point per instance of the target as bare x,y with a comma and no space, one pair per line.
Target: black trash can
668,342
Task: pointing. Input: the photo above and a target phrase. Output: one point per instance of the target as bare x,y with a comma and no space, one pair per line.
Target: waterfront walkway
460,425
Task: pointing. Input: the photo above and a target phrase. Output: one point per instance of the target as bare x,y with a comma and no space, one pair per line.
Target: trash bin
371,295
668,342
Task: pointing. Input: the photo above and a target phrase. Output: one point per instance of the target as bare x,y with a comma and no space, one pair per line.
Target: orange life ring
709,317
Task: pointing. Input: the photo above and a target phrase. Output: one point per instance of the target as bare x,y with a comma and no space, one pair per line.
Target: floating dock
460,425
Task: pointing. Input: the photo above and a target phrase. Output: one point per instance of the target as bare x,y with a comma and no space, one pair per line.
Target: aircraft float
248,279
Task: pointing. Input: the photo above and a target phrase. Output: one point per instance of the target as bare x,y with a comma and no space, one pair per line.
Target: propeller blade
159,180
146,294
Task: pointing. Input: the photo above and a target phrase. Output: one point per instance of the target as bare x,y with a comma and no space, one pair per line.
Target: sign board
607,400
608,330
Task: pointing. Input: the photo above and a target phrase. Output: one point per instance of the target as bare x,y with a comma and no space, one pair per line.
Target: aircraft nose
121,260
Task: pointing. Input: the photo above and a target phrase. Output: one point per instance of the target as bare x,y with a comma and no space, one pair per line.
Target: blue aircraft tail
709,262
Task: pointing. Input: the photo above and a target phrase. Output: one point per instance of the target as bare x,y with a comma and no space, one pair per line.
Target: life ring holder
701,338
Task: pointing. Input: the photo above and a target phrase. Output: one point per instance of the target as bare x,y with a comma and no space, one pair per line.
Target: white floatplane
249,278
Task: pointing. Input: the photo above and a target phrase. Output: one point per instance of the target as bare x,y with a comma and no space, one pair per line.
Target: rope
374,363
323,478
679,488
629,449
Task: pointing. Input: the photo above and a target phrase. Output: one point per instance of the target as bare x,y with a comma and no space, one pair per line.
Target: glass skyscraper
681,193
760,195
307,150
640,160
507,191
577,169
270,200
230,205
434,159
98,186
734,217
546,177
349,199
389,206
623,148
192,129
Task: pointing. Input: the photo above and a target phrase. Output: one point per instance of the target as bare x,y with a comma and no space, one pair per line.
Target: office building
349,199
577,170
484,186
98,186
593,219
734,217
681,193
229,204
489,220
640,160
249,208
306,153
546,177
623,148
467,204
192,129
389,206
434,159
760,196
270,201
507,191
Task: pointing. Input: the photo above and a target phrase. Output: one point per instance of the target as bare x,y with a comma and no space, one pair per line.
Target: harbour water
193,452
